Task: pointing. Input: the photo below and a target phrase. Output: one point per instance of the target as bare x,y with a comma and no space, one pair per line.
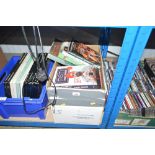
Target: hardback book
17,81
84,77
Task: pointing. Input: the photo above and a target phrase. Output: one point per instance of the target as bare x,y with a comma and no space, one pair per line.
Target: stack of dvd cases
22,79
140,98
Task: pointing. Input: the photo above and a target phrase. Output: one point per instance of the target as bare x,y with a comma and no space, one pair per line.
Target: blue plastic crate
13,107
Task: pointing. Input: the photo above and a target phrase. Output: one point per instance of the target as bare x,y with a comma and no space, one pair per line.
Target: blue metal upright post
104,41
128,42
130,68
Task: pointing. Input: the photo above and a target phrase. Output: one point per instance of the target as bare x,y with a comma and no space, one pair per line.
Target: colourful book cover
85,52
77,77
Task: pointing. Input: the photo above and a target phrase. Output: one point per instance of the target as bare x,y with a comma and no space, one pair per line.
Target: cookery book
77,77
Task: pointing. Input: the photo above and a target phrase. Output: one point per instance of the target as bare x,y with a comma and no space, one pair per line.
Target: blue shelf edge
46,124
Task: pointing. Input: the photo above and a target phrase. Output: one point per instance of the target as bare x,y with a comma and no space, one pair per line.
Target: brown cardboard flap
3,59
48,84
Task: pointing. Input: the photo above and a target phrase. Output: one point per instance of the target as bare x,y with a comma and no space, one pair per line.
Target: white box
77,114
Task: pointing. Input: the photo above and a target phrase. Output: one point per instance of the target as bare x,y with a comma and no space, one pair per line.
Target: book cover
85,52
77,77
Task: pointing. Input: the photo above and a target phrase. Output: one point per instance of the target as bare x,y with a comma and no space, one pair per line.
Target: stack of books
74,53
81,65
22,80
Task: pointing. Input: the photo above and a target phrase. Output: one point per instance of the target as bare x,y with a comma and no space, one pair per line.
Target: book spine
126,103
124,106
152,97
129,101
137,100
145,100
149,99
132,102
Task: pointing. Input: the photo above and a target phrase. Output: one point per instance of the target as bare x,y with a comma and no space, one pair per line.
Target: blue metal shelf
134,42
128,42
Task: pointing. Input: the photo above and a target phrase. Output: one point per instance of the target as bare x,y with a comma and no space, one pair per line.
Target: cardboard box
78,106
77,114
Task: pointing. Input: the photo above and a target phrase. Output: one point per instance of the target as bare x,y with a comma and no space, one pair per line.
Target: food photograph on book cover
76,76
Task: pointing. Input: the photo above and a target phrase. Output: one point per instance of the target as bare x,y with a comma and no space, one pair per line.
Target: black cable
35,40
43,61
113,53
29,47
